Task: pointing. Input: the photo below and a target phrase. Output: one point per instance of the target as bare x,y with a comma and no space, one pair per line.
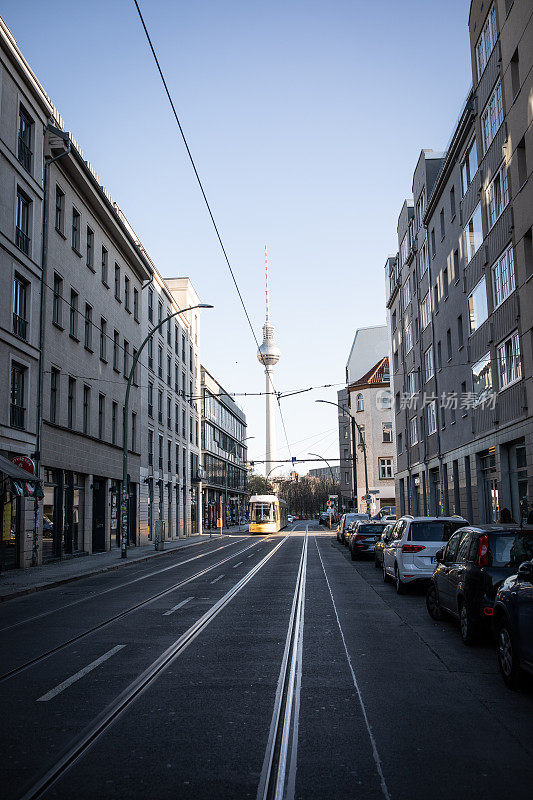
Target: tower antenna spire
268,355
266,285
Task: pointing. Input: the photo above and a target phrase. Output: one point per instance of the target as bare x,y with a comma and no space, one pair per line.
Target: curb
41,587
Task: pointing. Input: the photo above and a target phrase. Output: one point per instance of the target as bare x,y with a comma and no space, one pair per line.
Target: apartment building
460,298
345,451
170,411
224,455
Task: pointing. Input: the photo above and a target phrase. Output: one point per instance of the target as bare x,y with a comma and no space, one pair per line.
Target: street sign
328,504
367,497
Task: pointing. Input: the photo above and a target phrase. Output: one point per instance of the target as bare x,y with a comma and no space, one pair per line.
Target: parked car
350,523
385,511
290,518
345,521
380,544
471,569
364,537
409,555
513,625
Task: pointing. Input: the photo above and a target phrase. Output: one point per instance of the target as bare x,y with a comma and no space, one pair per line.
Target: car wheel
432,603
467,624
507,657
400,585
354,555
385,574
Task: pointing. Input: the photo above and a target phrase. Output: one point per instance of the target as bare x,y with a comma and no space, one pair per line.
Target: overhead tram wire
167,91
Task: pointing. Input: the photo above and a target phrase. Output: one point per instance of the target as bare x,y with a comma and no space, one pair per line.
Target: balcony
24,155
20,326
22,241
16,417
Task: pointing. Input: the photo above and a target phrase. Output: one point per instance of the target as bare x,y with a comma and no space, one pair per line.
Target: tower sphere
269,353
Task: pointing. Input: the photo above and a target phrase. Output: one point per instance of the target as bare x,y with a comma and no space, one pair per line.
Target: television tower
269,355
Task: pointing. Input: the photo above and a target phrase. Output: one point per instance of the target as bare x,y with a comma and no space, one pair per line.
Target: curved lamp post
354,425
268,475
316,455
124,508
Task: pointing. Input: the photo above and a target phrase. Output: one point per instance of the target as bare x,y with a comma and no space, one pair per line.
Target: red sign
24,462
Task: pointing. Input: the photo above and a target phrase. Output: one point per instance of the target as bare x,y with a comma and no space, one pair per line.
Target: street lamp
124,508
327,462
354,426
268,475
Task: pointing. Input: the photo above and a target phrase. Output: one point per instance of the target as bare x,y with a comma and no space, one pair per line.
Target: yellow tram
267,514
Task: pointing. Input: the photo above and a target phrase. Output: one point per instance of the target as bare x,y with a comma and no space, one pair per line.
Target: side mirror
439,556
525,571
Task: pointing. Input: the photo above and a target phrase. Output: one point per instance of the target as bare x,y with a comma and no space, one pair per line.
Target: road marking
69,681
218,579
250,556
238,564
175,608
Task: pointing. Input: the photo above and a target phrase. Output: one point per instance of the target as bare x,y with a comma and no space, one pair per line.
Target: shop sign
24,462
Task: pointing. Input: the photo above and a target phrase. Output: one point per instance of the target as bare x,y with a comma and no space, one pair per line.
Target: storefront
63,514
17,487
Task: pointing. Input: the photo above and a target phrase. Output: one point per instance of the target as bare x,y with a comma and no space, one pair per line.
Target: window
477,305
449,344
22,232
433,245
103,339
150,353
420,208
88,326
408,336
126,359
361,432
17,410
57,307
425,311
406,294
169,371
183,424
71,402
497,195
445,282
359,403
191,367
116,340
442,228
503,280
429,368
114,416
473,234
452,202
492,117
169,413
24,153
135,304
20,292
60,210
133,431
413,431
104,265
160,361
463,392
384,400
439,355
160,452
86,409
75,230
159,313
432,417
482,379
73,314
385,468
395,363
423,259
150,305
411,383
101,416
117,282
190,430
150,399
399,439
183,347
176,378
393,320
169,329
169,456
460,330
176,338
54,388
150,448
387,431
176,418
485,43
509,367
127,293
196,433
90,248
160,406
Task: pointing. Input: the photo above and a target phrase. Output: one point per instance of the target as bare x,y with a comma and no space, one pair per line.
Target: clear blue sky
305,119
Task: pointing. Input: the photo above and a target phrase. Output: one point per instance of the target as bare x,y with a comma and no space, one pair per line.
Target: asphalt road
375,699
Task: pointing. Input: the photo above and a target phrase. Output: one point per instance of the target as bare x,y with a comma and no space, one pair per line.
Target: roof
378,374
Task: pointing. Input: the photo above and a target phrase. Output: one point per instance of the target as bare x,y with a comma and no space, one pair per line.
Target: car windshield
377,529
434,530
511,549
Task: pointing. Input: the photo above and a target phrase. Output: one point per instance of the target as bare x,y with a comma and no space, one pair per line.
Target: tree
256,485
308,495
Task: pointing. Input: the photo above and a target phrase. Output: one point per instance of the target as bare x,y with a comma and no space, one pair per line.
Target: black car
380,544
513,625
471,569
364,538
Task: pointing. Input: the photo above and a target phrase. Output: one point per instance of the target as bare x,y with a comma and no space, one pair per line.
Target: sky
305,120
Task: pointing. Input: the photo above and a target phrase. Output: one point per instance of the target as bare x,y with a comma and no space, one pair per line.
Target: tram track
141,604
117,707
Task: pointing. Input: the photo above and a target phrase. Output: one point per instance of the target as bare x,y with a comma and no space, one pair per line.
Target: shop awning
15,472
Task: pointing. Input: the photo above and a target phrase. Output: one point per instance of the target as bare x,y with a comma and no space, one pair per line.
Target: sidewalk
18,582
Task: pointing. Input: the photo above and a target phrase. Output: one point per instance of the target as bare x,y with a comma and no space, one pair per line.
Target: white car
409,555
290,518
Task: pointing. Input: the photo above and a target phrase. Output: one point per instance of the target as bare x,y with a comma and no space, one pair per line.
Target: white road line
238,564
218,579
250,556
69,681
175,608
377,759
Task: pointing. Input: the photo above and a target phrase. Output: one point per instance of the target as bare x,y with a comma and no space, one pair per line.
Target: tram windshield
261,512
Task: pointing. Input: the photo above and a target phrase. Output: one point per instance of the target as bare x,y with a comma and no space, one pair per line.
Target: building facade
345,451
224,456
460,298
328,473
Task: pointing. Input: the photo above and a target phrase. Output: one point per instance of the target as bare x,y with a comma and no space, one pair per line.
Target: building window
477,305
126,293
190,430
509,367
183,347
411,383
433,245
20,292
90,248
151,400
73,314
160,361
57,307
169,371
169,462
135,365
469,165
399,440
86,409
492,117
101,416
196,433
134,431
135,304
88,326
116,340
420,208
176,338
54,388
387,431
442,228
408,336
24,153
22,232
460,340
160,453
150,305
126,359
385,468
104,266
103,339
413,431
432,417
114,416
176,378
159,313
359,403
452,202
17,410
423,261
406,294
482,380
60,210
429,368
485,43
71,402
150,353
160,407
425,311
117,282
449,343
150,448
176,418
503,279
75,230
169,413
183,424
473,234
169,329
439,355
497,195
